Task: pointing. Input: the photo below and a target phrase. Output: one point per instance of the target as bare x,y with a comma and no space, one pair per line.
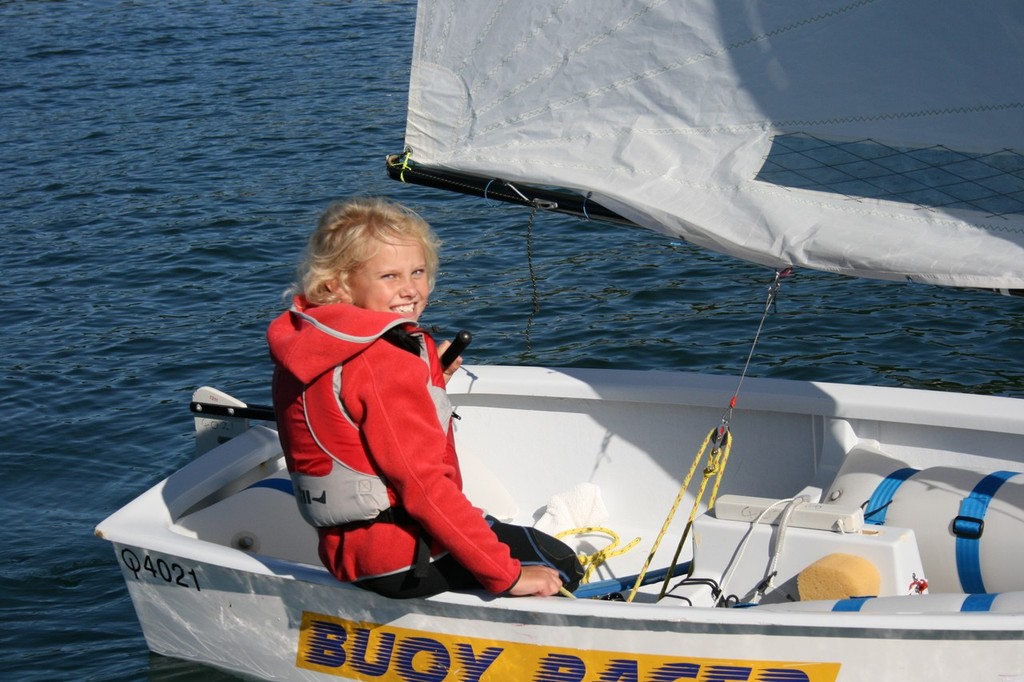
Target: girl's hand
536,581
449,371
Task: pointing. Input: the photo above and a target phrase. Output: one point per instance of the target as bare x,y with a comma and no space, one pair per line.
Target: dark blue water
160,166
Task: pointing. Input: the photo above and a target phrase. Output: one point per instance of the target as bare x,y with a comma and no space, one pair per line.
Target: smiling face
394,279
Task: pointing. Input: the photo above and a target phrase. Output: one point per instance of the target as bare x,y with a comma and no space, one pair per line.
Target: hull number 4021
159,570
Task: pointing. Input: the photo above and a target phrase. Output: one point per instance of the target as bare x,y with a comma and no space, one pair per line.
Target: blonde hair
349,234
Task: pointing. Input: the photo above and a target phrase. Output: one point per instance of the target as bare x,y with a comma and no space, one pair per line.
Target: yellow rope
405,164
591,562
717,460
716,463
668,519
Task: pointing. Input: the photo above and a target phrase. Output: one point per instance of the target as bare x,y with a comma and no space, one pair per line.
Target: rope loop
405,163
487,188
592,562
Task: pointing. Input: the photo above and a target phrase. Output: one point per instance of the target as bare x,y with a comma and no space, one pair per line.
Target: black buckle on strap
395,515
968,527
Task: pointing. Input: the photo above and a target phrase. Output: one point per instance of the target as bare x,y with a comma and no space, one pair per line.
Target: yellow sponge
838,576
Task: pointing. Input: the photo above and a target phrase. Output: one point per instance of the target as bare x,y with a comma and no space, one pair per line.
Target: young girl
365,422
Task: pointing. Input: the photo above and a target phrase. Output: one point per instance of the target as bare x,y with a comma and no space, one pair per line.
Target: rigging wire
769,305
720,441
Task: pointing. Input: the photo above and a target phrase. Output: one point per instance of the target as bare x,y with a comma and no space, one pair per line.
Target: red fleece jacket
394,433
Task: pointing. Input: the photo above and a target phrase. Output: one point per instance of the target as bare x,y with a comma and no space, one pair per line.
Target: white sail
874,138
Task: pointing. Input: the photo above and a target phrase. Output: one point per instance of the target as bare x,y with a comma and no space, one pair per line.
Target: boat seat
734,550
262,518
277,529
968,522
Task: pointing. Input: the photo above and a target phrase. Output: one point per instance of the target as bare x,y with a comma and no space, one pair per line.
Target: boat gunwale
593,614
835,400
152,516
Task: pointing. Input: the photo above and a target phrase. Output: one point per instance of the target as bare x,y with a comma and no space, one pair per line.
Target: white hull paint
527,434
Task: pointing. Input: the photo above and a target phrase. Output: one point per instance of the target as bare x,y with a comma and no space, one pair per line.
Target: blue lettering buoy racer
365,421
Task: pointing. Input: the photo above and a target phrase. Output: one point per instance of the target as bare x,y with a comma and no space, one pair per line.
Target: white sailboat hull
222,570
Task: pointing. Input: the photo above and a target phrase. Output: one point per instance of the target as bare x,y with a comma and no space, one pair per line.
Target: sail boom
491,188
562,201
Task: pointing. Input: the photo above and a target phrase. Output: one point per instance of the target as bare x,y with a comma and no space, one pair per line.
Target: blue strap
978,602
878,505
601,588
851,604
282,484
969,527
